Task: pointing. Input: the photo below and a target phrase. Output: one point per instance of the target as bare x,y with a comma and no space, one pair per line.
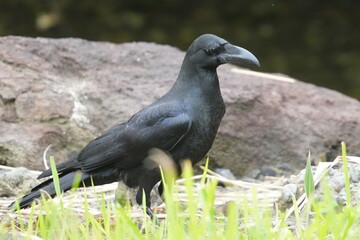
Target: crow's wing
158,126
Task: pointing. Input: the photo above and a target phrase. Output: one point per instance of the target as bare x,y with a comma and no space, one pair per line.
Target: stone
23,143
333,181
6,190
284,167
338,181
17,181
43,106
288,191
65,92
225,173
268,171
354,173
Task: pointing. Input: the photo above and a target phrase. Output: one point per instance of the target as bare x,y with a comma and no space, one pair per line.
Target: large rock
65,92
270,122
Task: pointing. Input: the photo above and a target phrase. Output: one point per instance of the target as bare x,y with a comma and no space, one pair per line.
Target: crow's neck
191,79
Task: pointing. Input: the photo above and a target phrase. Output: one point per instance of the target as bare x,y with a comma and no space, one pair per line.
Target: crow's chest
205,123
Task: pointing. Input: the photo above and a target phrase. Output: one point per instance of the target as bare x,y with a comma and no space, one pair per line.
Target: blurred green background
314,41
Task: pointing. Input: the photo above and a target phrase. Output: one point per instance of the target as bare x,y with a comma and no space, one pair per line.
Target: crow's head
210,51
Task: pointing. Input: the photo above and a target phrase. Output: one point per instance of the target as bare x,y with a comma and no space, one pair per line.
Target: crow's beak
239,56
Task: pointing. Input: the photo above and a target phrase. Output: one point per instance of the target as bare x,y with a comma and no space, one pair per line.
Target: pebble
254,173
17,180
354,173
284,166
225,173
337,182
288,191
268,171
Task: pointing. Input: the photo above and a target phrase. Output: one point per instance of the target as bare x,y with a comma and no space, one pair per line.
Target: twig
8,168
44,157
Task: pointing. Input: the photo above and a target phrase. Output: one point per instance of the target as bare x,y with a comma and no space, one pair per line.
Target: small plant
192,215
309,179
346,173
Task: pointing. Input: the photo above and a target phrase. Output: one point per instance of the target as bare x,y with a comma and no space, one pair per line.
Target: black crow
182,123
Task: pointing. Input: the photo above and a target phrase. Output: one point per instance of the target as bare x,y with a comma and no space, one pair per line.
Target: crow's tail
66,182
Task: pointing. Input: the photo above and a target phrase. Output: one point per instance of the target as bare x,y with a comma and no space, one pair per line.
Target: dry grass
267,195
268,192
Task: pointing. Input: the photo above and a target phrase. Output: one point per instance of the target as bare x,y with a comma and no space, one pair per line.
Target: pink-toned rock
64,92
270,121
44,105
22,144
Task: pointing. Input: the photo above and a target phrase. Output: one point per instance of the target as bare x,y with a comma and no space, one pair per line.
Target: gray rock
340,198
6,190
65,92
268,171
253,173
288,191
355,193
354,173
17,181
284,167
337,182
331,172
225,173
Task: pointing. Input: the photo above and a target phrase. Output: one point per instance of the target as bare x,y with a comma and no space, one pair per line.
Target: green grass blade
55,176
297,216
77,180
346,174
309,179
191,213
203,177
233,221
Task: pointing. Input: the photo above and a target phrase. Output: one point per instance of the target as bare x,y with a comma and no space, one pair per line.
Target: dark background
314,41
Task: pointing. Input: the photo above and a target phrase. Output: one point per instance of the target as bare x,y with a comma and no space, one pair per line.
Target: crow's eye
213,51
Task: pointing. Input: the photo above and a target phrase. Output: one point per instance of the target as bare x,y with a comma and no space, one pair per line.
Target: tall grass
195,218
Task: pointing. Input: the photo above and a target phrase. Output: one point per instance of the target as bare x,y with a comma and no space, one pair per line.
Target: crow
183,123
